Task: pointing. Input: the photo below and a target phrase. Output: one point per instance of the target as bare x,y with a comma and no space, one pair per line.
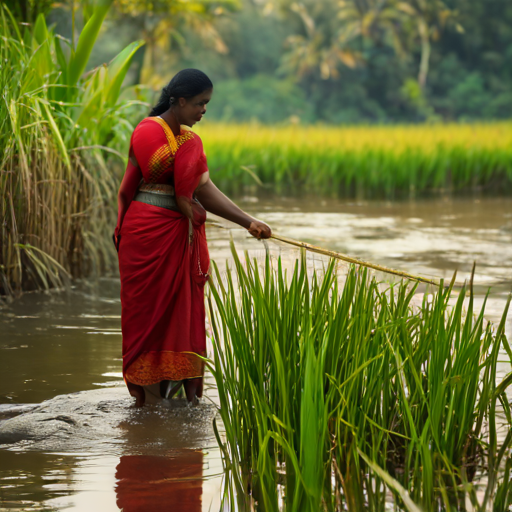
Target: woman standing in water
161,243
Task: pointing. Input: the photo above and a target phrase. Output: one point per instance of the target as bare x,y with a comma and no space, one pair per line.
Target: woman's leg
163,388
155,393
138,393
152,393
193,389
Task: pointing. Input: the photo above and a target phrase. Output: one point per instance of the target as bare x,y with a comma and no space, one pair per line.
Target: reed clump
350,396
57,187
361,161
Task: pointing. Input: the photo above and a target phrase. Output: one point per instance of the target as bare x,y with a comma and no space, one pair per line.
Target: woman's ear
182,102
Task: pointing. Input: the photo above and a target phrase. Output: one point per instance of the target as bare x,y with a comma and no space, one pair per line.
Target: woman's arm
214,201
129,185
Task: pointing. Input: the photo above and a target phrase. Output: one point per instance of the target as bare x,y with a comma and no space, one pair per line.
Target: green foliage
356,61
161,23
54,177
28,10
469,97
334,395
80,54
350,61
260,97
362,161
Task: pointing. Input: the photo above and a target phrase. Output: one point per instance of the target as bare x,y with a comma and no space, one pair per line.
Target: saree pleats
162,296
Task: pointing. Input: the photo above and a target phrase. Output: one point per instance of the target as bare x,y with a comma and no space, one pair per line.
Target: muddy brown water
61,343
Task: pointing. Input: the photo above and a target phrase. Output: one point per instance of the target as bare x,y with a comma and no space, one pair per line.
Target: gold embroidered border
174,142
152,367
160,162
183,137
162,159
157,188
171,139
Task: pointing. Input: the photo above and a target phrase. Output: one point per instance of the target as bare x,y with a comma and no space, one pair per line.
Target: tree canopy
336,61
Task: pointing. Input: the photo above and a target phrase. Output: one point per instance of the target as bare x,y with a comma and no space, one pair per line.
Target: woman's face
193,109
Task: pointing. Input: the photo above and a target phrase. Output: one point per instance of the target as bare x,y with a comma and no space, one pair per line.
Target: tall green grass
55,176
346,396
361,161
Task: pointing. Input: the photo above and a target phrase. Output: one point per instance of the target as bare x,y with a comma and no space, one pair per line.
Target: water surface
64,342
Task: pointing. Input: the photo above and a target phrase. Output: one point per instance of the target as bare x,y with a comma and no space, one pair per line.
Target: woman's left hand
116,238
259,229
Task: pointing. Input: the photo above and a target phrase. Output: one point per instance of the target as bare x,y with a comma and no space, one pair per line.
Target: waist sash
156,194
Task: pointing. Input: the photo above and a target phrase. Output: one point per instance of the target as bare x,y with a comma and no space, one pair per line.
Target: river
64,342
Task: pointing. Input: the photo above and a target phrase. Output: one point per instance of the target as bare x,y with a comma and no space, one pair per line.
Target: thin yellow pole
350,259
344,257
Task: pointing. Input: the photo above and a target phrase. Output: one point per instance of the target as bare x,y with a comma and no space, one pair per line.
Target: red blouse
164,158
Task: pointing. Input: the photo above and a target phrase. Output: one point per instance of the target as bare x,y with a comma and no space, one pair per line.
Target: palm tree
428,18
321,43
161,22
335,32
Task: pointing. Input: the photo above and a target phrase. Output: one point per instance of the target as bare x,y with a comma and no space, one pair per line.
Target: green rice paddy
361,161
340,393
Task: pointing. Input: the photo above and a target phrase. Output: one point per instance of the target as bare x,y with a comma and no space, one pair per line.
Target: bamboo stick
350,259
344,257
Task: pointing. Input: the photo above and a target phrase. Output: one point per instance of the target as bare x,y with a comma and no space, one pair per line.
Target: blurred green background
335,61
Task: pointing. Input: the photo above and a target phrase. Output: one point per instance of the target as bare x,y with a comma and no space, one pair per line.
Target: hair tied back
185,84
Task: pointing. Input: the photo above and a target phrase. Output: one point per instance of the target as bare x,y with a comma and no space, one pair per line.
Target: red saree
163,264
149,483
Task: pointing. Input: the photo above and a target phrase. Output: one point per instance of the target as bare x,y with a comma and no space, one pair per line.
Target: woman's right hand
214,201
259,229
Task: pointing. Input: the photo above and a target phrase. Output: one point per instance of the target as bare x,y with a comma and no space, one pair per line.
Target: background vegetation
59,129
368,161
364,61
348,61
66,114
334,61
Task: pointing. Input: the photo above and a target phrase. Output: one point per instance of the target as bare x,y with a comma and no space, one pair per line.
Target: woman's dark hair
185,84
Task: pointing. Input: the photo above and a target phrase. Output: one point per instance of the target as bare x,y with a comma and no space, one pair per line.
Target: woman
161,243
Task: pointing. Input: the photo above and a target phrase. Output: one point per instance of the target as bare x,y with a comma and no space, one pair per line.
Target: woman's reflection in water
151,483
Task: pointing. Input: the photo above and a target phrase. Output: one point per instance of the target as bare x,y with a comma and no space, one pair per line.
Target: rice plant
361,161
55,125
350,395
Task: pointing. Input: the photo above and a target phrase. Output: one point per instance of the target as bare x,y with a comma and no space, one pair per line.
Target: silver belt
161,195
157,195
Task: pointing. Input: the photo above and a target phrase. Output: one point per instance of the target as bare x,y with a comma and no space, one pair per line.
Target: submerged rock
88,414
10,410
97,419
